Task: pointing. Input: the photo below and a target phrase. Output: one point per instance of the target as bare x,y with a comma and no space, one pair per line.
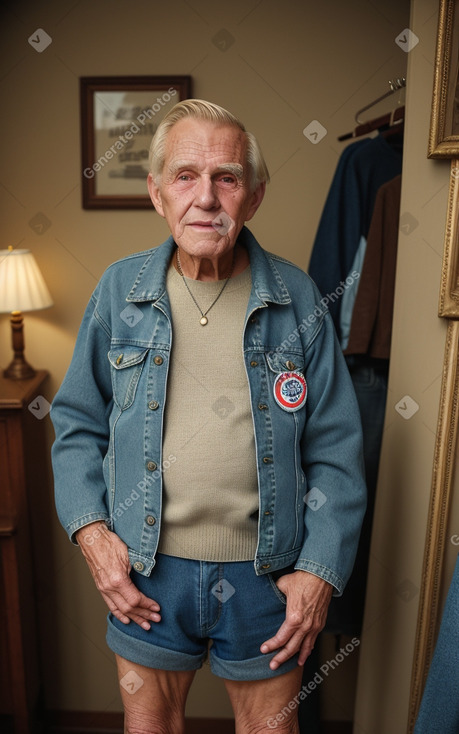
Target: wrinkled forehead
206,141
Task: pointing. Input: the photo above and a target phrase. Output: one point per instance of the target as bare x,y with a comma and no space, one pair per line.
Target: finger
141,621
145,615
274,643
140,618
288,651
147,603
127,608
135,598
132,618
135,615
114,609
306,649
289,627
125,594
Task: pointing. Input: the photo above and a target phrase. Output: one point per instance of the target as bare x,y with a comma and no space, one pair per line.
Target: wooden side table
23,409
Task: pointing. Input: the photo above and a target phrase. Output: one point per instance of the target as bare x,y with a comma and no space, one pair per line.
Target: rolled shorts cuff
251,669
151,656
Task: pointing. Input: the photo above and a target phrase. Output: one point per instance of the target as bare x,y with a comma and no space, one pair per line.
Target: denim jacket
108,417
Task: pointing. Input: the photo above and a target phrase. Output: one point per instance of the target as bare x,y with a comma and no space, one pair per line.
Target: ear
255,200
155,195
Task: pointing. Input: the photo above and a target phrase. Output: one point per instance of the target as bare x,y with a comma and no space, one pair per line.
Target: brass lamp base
18,369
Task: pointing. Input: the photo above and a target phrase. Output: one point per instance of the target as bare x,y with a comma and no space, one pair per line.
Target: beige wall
290,63
407,454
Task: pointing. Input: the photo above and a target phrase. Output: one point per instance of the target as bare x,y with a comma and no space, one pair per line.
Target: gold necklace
204,320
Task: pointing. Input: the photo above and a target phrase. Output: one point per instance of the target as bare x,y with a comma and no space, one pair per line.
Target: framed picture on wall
444,126
119,116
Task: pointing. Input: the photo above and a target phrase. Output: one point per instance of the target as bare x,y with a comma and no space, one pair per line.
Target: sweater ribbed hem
213,543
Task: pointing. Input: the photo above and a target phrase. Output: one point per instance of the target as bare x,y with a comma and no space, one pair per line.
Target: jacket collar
268,284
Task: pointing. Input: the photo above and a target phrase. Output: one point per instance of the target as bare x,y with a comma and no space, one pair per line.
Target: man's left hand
308,597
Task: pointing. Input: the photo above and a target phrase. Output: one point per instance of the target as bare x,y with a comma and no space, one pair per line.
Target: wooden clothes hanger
392,119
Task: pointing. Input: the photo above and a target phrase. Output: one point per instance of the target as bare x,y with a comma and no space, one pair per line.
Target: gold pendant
203,321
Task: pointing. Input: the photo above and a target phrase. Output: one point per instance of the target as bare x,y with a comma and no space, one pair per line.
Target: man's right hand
107,557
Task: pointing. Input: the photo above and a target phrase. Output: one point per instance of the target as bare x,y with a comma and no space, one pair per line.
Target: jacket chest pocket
286,380
127,364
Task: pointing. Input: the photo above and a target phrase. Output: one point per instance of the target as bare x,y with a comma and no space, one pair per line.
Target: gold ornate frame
449,290
444,458
444,125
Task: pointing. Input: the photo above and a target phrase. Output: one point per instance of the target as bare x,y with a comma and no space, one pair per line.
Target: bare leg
269,705
153,700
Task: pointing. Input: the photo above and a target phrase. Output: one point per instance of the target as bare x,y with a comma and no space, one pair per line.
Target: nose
206,193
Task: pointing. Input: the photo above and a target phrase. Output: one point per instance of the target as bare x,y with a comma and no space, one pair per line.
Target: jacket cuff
322,572
73,527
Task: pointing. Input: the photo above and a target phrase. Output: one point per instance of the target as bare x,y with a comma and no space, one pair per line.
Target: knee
141,722
154,727
289,726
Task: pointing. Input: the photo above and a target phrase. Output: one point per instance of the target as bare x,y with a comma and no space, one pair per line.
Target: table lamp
22,288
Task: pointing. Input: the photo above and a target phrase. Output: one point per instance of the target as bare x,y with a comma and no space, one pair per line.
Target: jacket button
253,363
290,365
138,566
265,565
152,465
267,460
150,520
268,512
158,359
262,406
119,359
153,405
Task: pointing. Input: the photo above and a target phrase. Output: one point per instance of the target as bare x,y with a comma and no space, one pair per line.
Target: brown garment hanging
371,325
384,122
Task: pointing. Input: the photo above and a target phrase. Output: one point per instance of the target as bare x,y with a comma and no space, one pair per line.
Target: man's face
204,191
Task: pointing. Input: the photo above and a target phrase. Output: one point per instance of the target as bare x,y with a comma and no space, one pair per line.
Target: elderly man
208,446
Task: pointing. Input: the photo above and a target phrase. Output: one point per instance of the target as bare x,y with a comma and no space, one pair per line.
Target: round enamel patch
290,390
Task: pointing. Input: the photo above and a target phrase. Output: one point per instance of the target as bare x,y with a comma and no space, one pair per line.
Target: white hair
202,110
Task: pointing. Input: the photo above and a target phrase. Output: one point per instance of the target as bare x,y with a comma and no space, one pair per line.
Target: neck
208,269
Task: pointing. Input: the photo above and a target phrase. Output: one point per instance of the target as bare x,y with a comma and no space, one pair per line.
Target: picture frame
437,546
444,125
119,116
449,288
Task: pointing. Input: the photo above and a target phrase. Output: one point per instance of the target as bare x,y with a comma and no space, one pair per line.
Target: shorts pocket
280,595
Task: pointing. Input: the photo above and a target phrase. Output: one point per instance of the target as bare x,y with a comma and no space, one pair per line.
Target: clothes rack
396,116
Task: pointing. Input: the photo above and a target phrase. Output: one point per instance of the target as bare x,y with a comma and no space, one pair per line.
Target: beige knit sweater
210,498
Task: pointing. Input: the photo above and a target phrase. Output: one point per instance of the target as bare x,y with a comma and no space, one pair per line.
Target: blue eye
228,180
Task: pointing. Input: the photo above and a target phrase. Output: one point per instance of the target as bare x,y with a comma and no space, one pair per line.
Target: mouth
202,225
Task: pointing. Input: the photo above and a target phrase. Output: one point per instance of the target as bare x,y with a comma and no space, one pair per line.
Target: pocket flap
123,357
285,361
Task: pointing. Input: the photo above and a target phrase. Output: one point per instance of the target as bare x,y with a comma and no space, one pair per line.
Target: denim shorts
223,610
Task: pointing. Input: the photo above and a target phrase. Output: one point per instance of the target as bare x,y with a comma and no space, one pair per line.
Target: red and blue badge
290,390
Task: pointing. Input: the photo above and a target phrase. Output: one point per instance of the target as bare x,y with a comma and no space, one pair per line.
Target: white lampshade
22,287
